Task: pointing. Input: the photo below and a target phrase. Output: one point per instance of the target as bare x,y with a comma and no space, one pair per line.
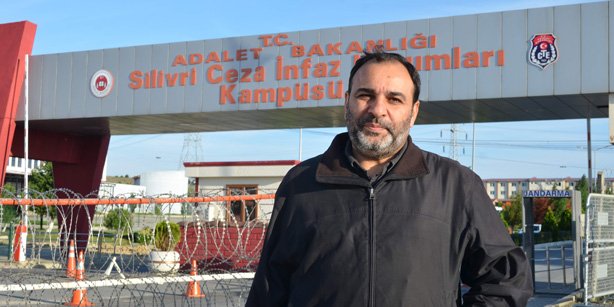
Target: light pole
595,162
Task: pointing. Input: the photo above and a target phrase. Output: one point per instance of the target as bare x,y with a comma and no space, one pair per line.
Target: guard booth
552,262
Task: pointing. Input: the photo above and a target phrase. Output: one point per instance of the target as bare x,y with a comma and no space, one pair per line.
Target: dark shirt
361,171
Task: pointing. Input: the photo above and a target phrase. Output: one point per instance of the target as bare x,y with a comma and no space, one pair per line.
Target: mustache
369,118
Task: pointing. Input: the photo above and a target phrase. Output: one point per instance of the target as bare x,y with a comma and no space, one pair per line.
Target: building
505,189
15,170
237,178
119,190
165,184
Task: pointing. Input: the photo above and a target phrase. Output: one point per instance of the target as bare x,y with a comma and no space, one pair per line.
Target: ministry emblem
543,50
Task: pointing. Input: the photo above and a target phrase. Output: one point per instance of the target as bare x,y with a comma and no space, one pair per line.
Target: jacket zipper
371,246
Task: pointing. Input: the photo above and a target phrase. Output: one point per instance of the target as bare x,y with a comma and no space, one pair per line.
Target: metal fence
599,247
222,235
554,268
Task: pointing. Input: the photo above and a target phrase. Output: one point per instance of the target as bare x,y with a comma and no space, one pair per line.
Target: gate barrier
599,247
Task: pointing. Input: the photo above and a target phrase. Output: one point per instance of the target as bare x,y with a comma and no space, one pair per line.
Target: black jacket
334,240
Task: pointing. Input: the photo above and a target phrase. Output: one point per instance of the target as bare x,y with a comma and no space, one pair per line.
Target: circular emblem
101,83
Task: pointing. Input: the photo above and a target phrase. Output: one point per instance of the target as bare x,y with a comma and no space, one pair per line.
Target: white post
23,228
26,130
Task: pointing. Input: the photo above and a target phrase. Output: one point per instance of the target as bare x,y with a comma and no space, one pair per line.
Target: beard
368,143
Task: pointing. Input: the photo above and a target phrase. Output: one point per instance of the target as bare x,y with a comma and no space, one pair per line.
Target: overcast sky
502,150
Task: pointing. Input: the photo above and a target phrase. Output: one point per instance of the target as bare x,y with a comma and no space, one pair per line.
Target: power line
192,148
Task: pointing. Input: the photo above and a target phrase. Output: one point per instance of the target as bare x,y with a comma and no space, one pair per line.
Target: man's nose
377,107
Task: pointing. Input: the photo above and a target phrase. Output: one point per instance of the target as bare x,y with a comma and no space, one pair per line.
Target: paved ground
541,300
554,278
552,283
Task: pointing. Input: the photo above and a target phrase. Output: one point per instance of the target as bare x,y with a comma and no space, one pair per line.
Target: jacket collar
334,167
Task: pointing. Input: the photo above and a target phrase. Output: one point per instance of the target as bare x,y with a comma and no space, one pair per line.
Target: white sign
602,219
547,193
602,271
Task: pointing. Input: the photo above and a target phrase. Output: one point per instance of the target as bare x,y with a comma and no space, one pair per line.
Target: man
375,221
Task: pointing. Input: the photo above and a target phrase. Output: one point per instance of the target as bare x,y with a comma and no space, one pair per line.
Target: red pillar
83,178
16,41
78,163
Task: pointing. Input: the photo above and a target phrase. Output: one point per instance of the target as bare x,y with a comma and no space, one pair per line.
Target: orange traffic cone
19,243
79,298
193,286
70,266
80,271
79,295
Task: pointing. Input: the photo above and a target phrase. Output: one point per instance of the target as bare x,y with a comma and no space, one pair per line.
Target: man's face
380,111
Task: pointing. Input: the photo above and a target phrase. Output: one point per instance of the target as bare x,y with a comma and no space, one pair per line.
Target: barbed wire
223,235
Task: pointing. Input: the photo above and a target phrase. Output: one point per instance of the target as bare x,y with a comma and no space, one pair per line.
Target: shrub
118,219
166,236
143,235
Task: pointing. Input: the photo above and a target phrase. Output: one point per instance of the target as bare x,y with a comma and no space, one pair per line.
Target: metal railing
554,267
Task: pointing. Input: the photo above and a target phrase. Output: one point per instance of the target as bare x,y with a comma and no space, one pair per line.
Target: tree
540,208
551,222
512,214
565,220
118,219
582,186
559,205
41,181
9,213
562,211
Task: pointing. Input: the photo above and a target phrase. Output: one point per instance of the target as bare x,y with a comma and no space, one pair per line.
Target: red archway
78,160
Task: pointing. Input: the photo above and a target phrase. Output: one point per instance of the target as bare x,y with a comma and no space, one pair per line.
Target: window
240,211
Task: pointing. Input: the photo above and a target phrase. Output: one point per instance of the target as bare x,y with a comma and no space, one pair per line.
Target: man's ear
414,112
